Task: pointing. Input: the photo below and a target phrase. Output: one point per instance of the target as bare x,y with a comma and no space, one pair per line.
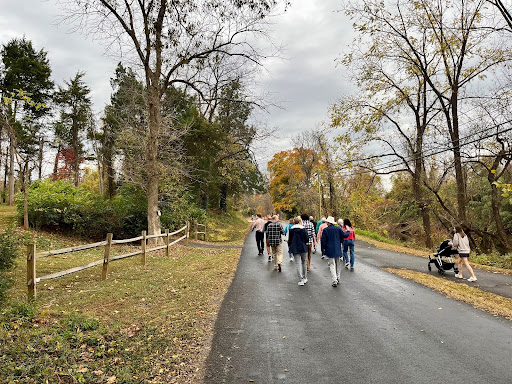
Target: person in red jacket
348,244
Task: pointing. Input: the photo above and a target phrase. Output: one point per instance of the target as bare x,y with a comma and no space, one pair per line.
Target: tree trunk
11,171
155,121
40,158
76,158
223,206
25,196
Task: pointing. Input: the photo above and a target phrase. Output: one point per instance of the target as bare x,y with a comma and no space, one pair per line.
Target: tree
175,43
29,71
75,120
126,110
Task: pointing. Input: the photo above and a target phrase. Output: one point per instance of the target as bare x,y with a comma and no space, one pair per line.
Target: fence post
187,233
31,271
106,257
143,244
195,229
167,243
205,231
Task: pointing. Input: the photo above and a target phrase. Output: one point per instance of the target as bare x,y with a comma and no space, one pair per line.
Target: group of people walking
335,240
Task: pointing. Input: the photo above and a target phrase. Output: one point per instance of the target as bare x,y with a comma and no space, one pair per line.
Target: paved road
487,281
373,328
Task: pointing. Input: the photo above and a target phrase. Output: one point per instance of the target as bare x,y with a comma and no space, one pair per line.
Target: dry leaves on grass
486,301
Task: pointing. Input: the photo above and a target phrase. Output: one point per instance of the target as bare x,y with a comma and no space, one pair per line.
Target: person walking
298,246
332,237
319,236
274,232
310,228
287,236
348,244
265,226
461,242
260,236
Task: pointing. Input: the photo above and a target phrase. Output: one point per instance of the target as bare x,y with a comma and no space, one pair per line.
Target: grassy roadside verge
148,323
488,302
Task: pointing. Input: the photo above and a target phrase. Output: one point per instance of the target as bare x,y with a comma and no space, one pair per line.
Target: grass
229,228
486,301
148,323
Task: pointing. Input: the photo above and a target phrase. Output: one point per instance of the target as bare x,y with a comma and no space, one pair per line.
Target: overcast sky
306,83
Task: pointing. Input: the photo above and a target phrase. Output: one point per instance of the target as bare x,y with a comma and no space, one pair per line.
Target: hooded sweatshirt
298,239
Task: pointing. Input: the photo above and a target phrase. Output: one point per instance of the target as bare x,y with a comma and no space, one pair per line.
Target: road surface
373,328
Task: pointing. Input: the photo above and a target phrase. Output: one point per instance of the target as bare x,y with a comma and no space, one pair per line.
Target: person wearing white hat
332,238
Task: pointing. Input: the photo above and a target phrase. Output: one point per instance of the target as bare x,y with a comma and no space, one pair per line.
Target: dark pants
259,241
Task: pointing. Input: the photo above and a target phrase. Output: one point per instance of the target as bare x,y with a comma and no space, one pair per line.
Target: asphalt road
373,328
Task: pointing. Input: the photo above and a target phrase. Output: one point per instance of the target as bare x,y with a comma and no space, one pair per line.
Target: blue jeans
348,244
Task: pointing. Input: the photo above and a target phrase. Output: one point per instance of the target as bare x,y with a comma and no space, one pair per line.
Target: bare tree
175,43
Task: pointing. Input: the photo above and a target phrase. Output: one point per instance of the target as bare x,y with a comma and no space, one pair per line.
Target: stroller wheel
441,271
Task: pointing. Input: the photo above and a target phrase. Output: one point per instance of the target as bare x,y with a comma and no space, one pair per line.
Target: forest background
432,110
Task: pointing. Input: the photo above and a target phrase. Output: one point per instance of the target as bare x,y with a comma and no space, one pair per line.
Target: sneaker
457,275
338,281
334,283
346,265
351,269
305,280
460,276
269,259
301,283
323,257
472,278
291,259
279,267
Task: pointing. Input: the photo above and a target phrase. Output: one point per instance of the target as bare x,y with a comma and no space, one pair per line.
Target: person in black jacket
298,245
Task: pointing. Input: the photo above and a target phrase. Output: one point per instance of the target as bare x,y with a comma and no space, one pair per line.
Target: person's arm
290,237
324,239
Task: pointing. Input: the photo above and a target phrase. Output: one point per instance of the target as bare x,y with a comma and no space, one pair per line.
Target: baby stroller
443,258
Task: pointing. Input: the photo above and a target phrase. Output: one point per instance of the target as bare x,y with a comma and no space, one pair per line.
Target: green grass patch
148,323
7,216
376,236
226,227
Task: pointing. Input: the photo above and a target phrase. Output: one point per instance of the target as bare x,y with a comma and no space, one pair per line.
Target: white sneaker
346,265
472,278
301,283
460,276
457,275
305,280
291,259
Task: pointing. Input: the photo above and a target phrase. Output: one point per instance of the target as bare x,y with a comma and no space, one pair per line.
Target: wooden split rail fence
32,255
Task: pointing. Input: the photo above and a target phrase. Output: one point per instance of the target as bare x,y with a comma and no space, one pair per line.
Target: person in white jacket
461,242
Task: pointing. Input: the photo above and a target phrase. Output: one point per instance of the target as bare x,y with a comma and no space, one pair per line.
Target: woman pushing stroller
461,242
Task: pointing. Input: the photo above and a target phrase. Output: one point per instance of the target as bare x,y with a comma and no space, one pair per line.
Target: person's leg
338,262
298,265
303,263
352,255
279,253
259,241
274,255
460,265
309,257
345,253
465,261
332,269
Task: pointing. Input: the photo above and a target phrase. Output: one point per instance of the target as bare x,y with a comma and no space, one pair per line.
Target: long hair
459,230
347,223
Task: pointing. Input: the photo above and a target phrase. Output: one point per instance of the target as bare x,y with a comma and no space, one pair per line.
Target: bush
61,206
9,248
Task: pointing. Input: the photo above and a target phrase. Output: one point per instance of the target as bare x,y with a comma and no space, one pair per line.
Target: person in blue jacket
332,238
298,245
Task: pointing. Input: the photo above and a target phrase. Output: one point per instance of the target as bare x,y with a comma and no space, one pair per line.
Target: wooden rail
197,232
32,255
